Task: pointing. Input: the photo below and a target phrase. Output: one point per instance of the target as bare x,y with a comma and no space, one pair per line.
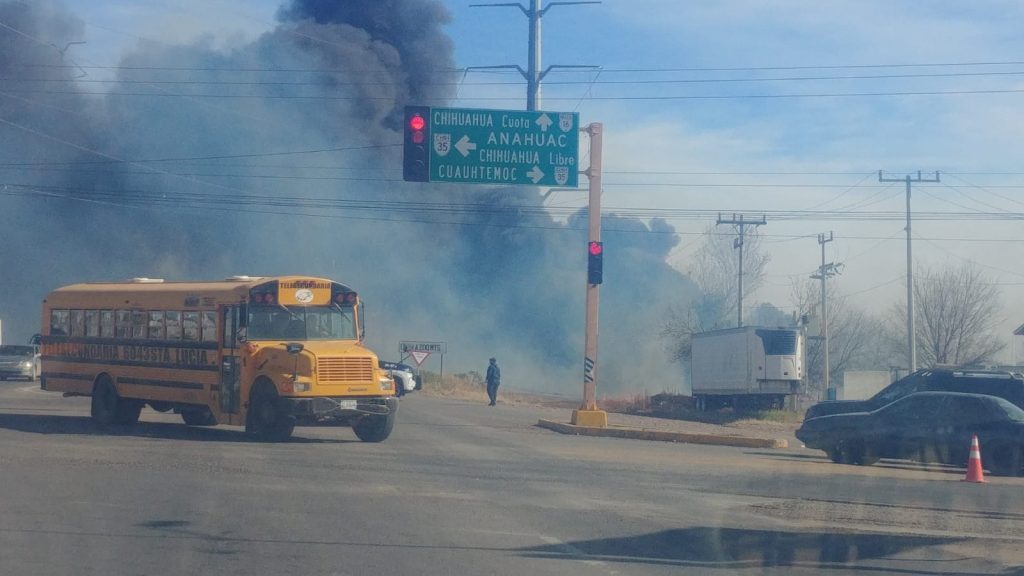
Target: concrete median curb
664,436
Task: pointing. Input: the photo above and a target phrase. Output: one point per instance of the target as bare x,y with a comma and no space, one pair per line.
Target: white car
19,362
402,374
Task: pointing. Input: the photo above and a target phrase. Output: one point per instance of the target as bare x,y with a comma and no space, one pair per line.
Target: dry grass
628,404
679,407
471,386
781,416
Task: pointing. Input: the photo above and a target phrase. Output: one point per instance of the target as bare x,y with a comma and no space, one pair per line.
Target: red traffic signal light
595,262
416,151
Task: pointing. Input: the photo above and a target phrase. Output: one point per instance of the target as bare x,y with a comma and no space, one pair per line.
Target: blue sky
809,153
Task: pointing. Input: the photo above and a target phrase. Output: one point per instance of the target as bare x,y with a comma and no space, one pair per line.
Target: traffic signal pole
588,413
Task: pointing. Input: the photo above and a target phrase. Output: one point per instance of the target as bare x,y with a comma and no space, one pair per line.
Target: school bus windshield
301,323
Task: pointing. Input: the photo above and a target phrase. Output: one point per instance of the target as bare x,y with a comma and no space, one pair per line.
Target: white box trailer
748,367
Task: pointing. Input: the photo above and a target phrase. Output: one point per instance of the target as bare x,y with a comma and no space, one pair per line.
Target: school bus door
230,366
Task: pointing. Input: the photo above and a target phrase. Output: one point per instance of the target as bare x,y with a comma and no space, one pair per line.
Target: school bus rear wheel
105,402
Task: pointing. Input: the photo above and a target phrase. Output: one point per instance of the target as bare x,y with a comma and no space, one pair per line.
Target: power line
640,213
604,70
212,157
140,198
685,97
592,82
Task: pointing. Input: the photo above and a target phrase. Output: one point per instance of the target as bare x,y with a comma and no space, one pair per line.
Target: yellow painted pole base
591,418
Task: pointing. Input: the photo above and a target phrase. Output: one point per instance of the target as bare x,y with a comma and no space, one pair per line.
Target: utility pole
825,271
588,413
741,225
911,335
532,74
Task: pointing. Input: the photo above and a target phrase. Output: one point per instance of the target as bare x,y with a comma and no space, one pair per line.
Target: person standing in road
493,381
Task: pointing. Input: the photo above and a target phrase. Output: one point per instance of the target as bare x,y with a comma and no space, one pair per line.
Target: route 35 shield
442,144
565,122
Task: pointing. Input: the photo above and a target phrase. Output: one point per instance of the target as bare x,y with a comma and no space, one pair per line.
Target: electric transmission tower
533,73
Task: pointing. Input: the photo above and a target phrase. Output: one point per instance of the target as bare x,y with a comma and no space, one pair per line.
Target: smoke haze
180,181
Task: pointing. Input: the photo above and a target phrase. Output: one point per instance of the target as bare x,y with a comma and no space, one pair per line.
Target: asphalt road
462,488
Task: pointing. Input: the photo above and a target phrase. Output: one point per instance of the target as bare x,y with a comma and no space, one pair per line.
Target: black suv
1007,385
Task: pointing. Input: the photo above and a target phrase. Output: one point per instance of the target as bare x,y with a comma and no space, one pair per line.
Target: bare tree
852,334
714,270
956,311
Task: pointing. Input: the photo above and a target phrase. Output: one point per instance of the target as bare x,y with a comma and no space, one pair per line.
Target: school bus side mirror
294,347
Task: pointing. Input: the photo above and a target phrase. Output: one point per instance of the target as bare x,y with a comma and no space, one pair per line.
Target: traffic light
416,152
595,262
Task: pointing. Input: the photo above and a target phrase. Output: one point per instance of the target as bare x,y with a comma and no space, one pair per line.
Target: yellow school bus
264,352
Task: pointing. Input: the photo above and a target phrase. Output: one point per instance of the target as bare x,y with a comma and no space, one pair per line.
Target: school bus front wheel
376,427
268,418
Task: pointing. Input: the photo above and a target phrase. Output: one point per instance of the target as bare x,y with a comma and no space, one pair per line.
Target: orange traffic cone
974,473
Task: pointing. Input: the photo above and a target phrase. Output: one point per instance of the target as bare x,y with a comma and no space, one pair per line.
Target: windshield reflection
301,323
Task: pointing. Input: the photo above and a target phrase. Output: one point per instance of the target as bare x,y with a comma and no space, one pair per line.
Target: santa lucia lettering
147,354
179,356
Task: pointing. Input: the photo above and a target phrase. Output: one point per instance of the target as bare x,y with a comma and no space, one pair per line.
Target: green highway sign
492,146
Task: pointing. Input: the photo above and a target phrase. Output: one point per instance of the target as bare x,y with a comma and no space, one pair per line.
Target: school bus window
92,323
140,321
209,320
59,323
124,323
156,325
190,325
173,325
77,323
106,323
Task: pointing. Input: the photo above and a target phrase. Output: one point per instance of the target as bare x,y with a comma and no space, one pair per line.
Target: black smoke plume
202,180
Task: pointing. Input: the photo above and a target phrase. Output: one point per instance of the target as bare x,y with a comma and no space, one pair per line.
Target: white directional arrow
544,122
464,146
535,174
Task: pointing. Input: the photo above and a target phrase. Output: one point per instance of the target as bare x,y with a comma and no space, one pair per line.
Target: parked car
18,361
927,427
405,380
1006,385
